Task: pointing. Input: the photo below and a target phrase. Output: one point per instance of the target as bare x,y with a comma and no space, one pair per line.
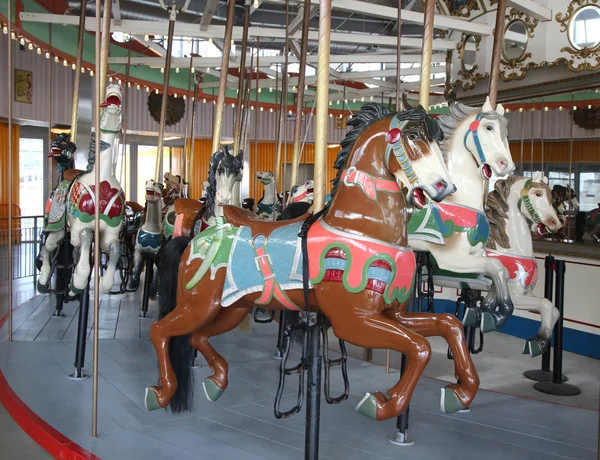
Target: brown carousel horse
360,269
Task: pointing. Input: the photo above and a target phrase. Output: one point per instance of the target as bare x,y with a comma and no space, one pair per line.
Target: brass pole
218,123
99,83
284,103
448,83
277,171
542,137
49,160
532,137
255,156
238,108
398,98
76,81
165,94
187,166
426,54
9,89
300,97
322,99
497,51
187,115
124,126
570,167
101,73
522,135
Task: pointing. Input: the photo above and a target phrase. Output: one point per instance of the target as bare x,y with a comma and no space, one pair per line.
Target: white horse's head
153,191
303,193
265,177
111,117
535,204
223,174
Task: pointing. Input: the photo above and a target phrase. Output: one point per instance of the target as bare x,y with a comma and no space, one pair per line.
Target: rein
394,139
473,128
525,199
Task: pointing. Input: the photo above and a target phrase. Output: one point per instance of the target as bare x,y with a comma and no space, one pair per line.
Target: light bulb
162,70
204,101
74,66
22,41
574,107
232,105
176,69
560,108
210,41
128,84
184,98
55,58
261,109
371,97
39,51
83,70
119,81
13,36
330,115
251,107
147,89
110,79
545,109
507,110
259,90
138,87
362,99
589,106
146,37
193,70
5,30
175,95
156,91
270,90
208,69
330,102
337,102
271,110
65,63
255,4
30,46
91,73
353,100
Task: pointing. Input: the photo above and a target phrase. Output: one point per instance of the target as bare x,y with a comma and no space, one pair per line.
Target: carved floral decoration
516,69
467,79
585,53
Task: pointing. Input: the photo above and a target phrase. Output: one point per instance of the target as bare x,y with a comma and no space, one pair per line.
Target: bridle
394,140
473,131
528,206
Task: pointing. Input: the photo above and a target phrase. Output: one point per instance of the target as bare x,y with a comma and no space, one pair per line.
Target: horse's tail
180,351
579,225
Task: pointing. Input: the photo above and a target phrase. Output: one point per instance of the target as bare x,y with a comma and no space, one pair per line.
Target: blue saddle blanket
244,276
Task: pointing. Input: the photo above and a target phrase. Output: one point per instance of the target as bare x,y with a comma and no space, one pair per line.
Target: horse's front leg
137,268
112,246
50,245
548,312
81,275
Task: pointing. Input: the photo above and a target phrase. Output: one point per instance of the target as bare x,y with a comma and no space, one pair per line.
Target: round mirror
515,40
584,27
469,53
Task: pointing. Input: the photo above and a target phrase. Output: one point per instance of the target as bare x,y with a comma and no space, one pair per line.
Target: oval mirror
584,27
469,53
515,40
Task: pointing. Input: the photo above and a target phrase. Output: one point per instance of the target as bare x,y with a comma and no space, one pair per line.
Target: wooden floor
241,424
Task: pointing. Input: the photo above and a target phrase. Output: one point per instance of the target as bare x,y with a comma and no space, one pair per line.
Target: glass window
589,190
31,172
146,166
558,176
123,169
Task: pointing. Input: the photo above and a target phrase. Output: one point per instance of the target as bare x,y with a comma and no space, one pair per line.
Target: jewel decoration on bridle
394,139
525,199
473,128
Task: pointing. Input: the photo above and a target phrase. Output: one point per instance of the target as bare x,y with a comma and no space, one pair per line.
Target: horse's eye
221,170
538,194
413,136
489,127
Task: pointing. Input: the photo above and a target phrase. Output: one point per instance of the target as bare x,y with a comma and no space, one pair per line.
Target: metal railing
25,234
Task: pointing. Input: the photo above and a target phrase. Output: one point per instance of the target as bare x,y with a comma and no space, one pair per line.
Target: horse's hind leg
226,320
81,275
50,245
371,329
449,327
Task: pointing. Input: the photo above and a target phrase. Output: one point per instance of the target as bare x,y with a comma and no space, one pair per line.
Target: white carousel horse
149,235
303,193
78,197
517,207
172,190
455,231
267,206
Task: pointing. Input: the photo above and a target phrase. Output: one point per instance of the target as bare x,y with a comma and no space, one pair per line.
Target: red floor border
51,440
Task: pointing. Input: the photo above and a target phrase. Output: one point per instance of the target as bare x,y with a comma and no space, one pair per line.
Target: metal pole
123,142
497,51
542,136
9,89
532,137
300,97
165,94
78,59
398,98
322,98
218,123
49,160
313,391
105,39
426,54
187,114
522,134
97,167
278,103
255,156
571,157
186,171
284,103
238,108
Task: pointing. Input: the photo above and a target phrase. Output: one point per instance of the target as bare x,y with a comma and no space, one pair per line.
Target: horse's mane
92,154
369,114
497,210
233,164
459,112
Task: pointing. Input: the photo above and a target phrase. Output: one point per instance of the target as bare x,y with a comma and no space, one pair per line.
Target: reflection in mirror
584,28
469,53
515,40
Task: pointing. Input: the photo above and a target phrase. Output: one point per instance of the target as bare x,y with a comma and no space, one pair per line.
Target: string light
261,109
210,41
574,107
162,70
193,70
184,98
259,90
55,58
204,101
146,37
65,63
128,84
176,69
560,108
330,102
30,46
371,97
362,99
138,87
22,41
119,81
271,110
208,69
74,66
175,95
256,4
331,115
39,51
545,109
354,100
251,107
110,79
47,55
589,106
507,110
5,30
270,90
156,91
147,89
83,70
232,105
13,36
91,73
521,110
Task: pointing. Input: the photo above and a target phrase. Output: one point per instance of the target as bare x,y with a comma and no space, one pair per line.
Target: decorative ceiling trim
467,79
516,69
577,55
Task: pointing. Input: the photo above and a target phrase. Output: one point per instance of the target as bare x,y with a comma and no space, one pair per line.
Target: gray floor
241,425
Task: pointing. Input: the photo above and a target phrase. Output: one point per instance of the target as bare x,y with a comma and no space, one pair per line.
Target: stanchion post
149,272
313,391
84,308
280,336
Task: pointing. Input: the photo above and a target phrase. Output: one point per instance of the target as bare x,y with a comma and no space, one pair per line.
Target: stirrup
263,321
283,371
329,363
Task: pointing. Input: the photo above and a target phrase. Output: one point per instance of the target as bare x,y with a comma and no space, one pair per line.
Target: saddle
239,217
71,174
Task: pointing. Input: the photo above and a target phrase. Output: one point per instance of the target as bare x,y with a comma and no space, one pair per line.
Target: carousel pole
76,82
284,103
218,123
187,115
570,172
497,51
49,70
426,54
186,164
99,82
105,40
9,89
123,142
255,156
278,103
238,108
300,97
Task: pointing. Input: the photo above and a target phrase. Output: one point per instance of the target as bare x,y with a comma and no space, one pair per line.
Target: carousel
284,228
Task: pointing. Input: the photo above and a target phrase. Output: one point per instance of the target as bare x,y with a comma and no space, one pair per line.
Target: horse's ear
545,180
405,104
500,110
240,155
487,106
538,176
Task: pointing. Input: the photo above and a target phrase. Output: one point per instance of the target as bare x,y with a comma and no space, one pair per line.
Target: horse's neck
105,159
269,196
153,217
464,172
517,227
352,211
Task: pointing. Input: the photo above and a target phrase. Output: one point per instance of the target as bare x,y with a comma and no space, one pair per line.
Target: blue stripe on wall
583,343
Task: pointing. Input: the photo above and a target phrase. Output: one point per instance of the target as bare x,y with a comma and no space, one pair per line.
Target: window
31,173
123,169
589,190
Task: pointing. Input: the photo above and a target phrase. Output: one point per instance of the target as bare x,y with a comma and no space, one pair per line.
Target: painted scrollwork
515,68
585,52
461,8
468,76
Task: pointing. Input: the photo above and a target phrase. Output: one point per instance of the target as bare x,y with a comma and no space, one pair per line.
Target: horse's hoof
42,288
532,348
151,400
470,318
76,291
211,390
487,322
367,407
449,402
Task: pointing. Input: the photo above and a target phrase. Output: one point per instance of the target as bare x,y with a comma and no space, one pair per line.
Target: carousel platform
56,411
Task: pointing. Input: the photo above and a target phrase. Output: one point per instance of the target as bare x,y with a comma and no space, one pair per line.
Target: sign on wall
340,123
23,86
